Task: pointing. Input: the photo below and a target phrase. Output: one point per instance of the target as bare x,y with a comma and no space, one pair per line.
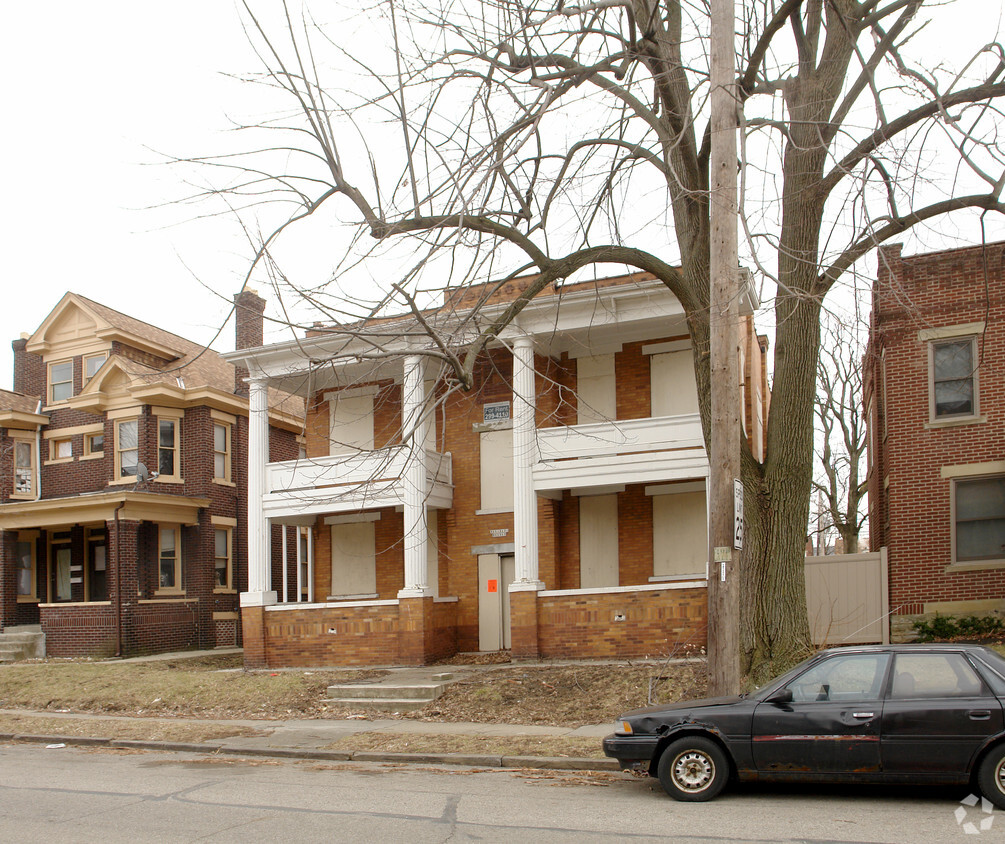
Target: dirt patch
579,748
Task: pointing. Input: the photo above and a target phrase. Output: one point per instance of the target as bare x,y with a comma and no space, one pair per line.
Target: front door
495,573
832,725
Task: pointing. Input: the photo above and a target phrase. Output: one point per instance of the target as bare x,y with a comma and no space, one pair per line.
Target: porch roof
99,507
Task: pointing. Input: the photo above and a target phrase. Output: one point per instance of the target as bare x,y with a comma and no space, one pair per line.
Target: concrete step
18,643
23,628
378,704
379,691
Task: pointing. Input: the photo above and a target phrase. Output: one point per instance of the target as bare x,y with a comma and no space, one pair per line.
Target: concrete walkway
308,739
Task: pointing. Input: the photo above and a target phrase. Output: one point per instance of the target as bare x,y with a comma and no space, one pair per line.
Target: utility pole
725,494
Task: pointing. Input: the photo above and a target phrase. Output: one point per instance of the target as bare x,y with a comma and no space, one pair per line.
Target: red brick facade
635,615
920,455
94,538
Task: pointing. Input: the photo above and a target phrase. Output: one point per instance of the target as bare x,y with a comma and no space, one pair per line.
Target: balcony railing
663,448
360,480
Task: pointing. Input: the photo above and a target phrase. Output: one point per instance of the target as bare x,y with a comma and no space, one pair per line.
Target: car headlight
623,728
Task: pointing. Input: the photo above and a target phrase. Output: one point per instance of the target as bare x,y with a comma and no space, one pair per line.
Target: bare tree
840,484
543,136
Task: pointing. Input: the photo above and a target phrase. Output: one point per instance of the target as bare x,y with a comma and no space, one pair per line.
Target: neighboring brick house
558,508
123,497
935,405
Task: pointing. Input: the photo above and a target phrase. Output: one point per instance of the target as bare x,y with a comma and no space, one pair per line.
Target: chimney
249,331
29,369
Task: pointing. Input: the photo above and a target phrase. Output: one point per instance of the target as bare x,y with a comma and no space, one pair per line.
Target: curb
554,763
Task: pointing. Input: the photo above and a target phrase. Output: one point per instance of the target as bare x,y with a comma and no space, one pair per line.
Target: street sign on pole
737,514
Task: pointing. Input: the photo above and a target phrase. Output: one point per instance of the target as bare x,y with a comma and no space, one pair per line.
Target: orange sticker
493,586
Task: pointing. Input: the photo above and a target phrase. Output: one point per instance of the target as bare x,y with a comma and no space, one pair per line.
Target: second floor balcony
632,451
361,480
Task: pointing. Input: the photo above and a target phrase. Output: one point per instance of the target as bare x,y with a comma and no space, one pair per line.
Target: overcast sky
87,88
91,94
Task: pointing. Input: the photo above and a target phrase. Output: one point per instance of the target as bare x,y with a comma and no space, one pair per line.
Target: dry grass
215,686
579,748
121,728
204,687
562,695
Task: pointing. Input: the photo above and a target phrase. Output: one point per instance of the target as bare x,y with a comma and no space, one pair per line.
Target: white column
286,578
413,420
258,593
524,458
310,565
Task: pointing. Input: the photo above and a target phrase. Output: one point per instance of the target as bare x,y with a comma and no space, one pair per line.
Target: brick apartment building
123,497
557,509
935,404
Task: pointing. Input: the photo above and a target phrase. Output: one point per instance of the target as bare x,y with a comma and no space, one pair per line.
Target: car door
938,712
831,726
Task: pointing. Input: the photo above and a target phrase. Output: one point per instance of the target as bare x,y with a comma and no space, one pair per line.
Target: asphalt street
117,795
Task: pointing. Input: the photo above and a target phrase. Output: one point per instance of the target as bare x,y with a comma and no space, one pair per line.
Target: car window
994,672
842,678
933,675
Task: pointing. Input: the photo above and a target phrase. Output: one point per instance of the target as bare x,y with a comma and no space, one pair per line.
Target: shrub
944,627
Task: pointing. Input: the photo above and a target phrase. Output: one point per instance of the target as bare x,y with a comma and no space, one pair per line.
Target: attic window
92,363
60,381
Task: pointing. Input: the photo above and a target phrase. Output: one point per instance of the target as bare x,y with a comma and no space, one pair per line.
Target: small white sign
495,411
737,514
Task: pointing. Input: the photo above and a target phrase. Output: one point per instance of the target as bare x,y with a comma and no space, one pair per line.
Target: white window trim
968,565
959,418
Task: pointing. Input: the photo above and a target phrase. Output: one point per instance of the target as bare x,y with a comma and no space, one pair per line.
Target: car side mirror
780,696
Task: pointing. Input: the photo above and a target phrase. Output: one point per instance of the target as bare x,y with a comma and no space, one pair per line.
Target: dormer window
60,381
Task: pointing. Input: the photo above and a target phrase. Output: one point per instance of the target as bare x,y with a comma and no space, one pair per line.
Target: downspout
38,454
118,581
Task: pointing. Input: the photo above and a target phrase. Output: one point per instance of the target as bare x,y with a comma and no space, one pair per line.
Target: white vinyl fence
848,599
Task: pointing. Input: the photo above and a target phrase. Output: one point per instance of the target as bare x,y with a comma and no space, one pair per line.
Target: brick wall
331,636
29,371
656,623
910,501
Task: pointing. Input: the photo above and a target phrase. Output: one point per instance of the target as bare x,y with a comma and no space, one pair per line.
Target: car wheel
693,769
991,776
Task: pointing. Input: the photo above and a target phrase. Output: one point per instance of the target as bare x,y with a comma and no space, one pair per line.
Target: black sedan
890,713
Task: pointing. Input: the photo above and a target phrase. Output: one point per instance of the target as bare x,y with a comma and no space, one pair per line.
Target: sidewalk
309,739
306,739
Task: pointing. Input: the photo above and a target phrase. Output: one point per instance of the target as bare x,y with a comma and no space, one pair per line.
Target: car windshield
781,680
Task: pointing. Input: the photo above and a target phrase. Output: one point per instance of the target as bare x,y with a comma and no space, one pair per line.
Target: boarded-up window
680,534
672,383
354,561
497,469
595,390
598,541
351,423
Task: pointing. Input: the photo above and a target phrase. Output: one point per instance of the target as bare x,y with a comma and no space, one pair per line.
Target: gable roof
168,364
